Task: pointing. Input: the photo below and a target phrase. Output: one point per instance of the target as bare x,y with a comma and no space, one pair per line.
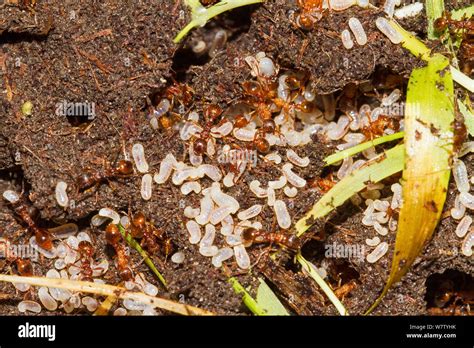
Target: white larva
278,184
467,200
257,190
227,225
410,10
347,39
266,67
363,3
120,312
383,231
282,214
467,244
208,251
61,194
381,205
229,179
290,191
111,214
138,154
22,287
194,231
391,98
219,214
178,257
223,130
182,174
244,134
189,130
90,303
233,240
274,157
458,211
221,256
211,147
386,28
162,108
250,213
30,306
345,168
341,5
358,30
190,186
222,199
206,209
463,227
191,212
212,172
146,188
297,160
209,235
460,176
389,7
377,253
373,242
46,299
11,196
242,257
336,131
293,178
98,220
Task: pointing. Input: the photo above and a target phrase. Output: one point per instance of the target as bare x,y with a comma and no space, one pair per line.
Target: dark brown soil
117,56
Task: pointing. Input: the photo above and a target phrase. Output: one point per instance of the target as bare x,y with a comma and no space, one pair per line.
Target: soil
119,57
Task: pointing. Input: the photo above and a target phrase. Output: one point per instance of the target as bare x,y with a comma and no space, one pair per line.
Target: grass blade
468,117
429,148
383,166
322,284
268,301
135,245
246,298
107,290
339,156
201,14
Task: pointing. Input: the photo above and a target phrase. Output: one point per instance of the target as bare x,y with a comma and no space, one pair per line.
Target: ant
141,228
253,236
24,211
376,128
93,178
86,251
445,22
310,12
113,237
212,113
176,93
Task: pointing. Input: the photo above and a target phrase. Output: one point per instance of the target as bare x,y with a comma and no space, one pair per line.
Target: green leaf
428,150
379,168
135,245
268,301
339,156
434,10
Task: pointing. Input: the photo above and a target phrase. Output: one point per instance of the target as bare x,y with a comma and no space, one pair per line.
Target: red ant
93,178
114,237
141,228
465,25
253,236
211,113
22,210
